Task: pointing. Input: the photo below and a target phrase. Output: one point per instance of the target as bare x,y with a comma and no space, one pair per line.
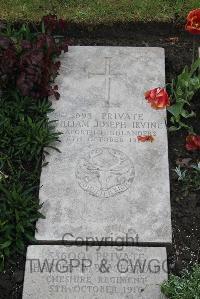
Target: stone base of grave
72,272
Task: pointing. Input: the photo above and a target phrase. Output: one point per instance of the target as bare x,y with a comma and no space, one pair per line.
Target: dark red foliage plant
52,23
8,61
30,62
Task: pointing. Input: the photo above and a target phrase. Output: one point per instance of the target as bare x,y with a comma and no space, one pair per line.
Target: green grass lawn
97,11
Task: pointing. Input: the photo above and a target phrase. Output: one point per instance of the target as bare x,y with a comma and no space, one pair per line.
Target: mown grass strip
97,11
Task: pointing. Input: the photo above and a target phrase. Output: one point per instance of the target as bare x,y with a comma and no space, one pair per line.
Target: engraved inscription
108,76
105,172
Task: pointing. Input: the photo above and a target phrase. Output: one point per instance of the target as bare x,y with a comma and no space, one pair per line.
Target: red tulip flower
193,21
145,138
192,142
158,98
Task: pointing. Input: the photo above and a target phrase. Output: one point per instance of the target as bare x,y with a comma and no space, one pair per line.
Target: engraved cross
108,76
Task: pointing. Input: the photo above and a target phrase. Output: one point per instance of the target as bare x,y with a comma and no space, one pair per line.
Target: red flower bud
192,142
193,21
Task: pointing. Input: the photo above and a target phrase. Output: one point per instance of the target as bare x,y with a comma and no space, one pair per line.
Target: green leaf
30,237
195,66
186,114
176,109
5,244
173,128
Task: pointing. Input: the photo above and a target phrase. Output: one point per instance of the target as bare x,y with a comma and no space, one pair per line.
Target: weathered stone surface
54,272
104,183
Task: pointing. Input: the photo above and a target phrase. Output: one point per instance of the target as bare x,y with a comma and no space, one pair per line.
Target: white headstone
57,272
104,183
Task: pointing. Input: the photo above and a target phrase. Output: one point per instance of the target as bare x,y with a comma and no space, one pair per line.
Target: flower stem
193,50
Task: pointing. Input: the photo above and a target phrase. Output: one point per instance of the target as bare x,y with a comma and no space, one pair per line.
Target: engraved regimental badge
105,172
